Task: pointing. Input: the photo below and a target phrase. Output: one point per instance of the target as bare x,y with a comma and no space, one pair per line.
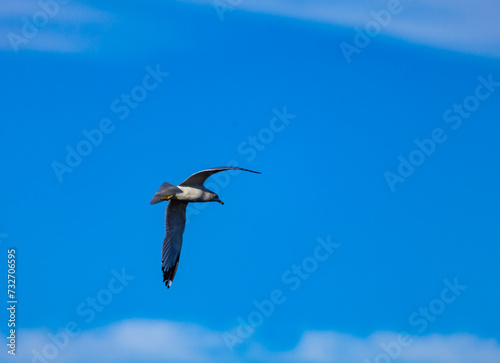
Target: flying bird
190,190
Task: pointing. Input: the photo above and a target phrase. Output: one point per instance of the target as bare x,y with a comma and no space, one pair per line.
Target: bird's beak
221,202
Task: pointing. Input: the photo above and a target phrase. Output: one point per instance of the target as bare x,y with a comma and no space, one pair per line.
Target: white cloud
333,347
127,341
149,341
464,26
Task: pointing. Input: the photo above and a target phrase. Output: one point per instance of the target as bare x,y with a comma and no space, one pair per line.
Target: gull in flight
190,190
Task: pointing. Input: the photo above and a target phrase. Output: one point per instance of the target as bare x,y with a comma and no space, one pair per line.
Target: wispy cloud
454,25
446,24
164,341
50,25
66,11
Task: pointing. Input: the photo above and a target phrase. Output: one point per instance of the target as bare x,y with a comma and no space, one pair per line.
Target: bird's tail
166,192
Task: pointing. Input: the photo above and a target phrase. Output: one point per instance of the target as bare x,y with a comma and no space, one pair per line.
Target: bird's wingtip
251,171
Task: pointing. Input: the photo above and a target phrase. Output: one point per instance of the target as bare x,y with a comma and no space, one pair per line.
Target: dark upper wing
175,221
200,177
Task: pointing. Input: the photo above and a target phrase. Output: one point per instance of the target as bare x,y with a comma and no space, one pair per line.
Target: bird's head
215,198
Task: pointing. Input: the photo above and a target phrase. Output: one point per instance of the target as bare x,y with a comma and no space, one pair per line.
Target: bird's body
190,190
194,194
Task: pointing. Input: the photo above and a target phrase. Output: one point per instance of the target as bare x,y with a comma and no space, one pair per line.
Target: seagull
190,190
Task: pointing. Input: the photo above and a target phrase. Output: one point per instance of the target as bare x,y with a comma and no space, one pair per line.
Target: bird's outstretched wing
175,221
200,177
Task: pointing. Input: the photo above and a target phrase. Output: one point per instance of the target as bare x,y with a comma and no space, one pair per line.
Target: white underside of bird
190,190
193,194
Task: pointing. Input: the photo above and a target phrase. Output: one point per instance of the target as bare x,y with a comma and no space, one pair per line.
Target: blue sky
369,237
